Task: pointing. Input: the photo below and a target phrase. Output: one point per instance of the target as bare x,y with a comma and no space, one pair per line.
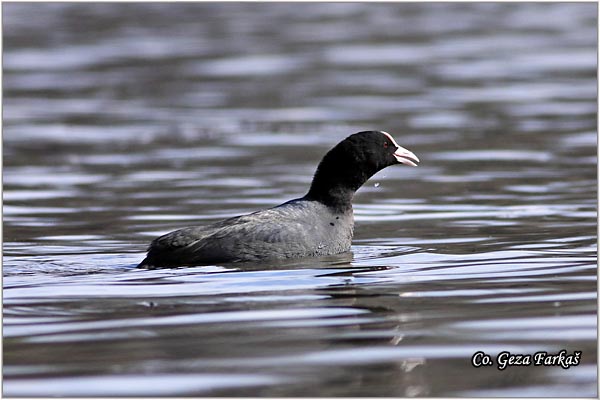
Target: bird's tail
145,264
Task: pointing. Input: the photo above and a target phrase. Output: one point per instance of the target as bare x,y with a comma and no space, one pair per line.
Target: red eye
385,145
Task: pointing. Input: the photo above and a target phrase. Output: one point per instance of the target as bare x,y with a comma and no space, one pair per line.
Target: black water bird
318,224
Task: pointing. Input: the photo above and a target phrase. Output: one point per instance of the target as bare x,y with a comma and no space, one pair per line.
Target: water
125,121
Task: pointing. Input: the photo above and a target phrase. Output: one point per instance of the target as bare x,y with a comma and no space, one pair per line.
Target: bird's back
298,228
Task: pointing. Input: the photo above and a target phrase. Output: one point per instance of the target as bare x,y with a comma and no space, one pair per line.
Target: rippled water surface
126,121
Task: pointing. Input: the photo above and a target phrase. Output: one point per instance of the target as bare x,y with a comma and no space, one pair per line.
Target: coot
318,224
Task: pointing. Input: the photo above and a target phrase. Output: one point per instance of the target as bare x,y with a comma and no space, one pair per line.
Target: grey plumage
276,233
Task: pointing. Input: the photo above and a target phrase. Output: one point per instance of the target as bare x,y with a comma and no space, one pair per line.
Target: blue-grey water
125,121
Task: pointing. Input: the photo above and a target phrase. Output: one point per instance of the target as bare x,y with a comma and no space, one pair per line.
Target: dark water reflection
124,121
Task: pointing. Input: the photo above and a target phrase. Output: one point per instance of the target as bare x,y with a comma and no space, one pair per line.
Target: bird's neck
334,184
337,199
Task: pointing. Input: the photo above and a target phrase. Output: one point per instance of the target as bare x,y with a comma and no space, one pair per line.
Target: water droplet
377,184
